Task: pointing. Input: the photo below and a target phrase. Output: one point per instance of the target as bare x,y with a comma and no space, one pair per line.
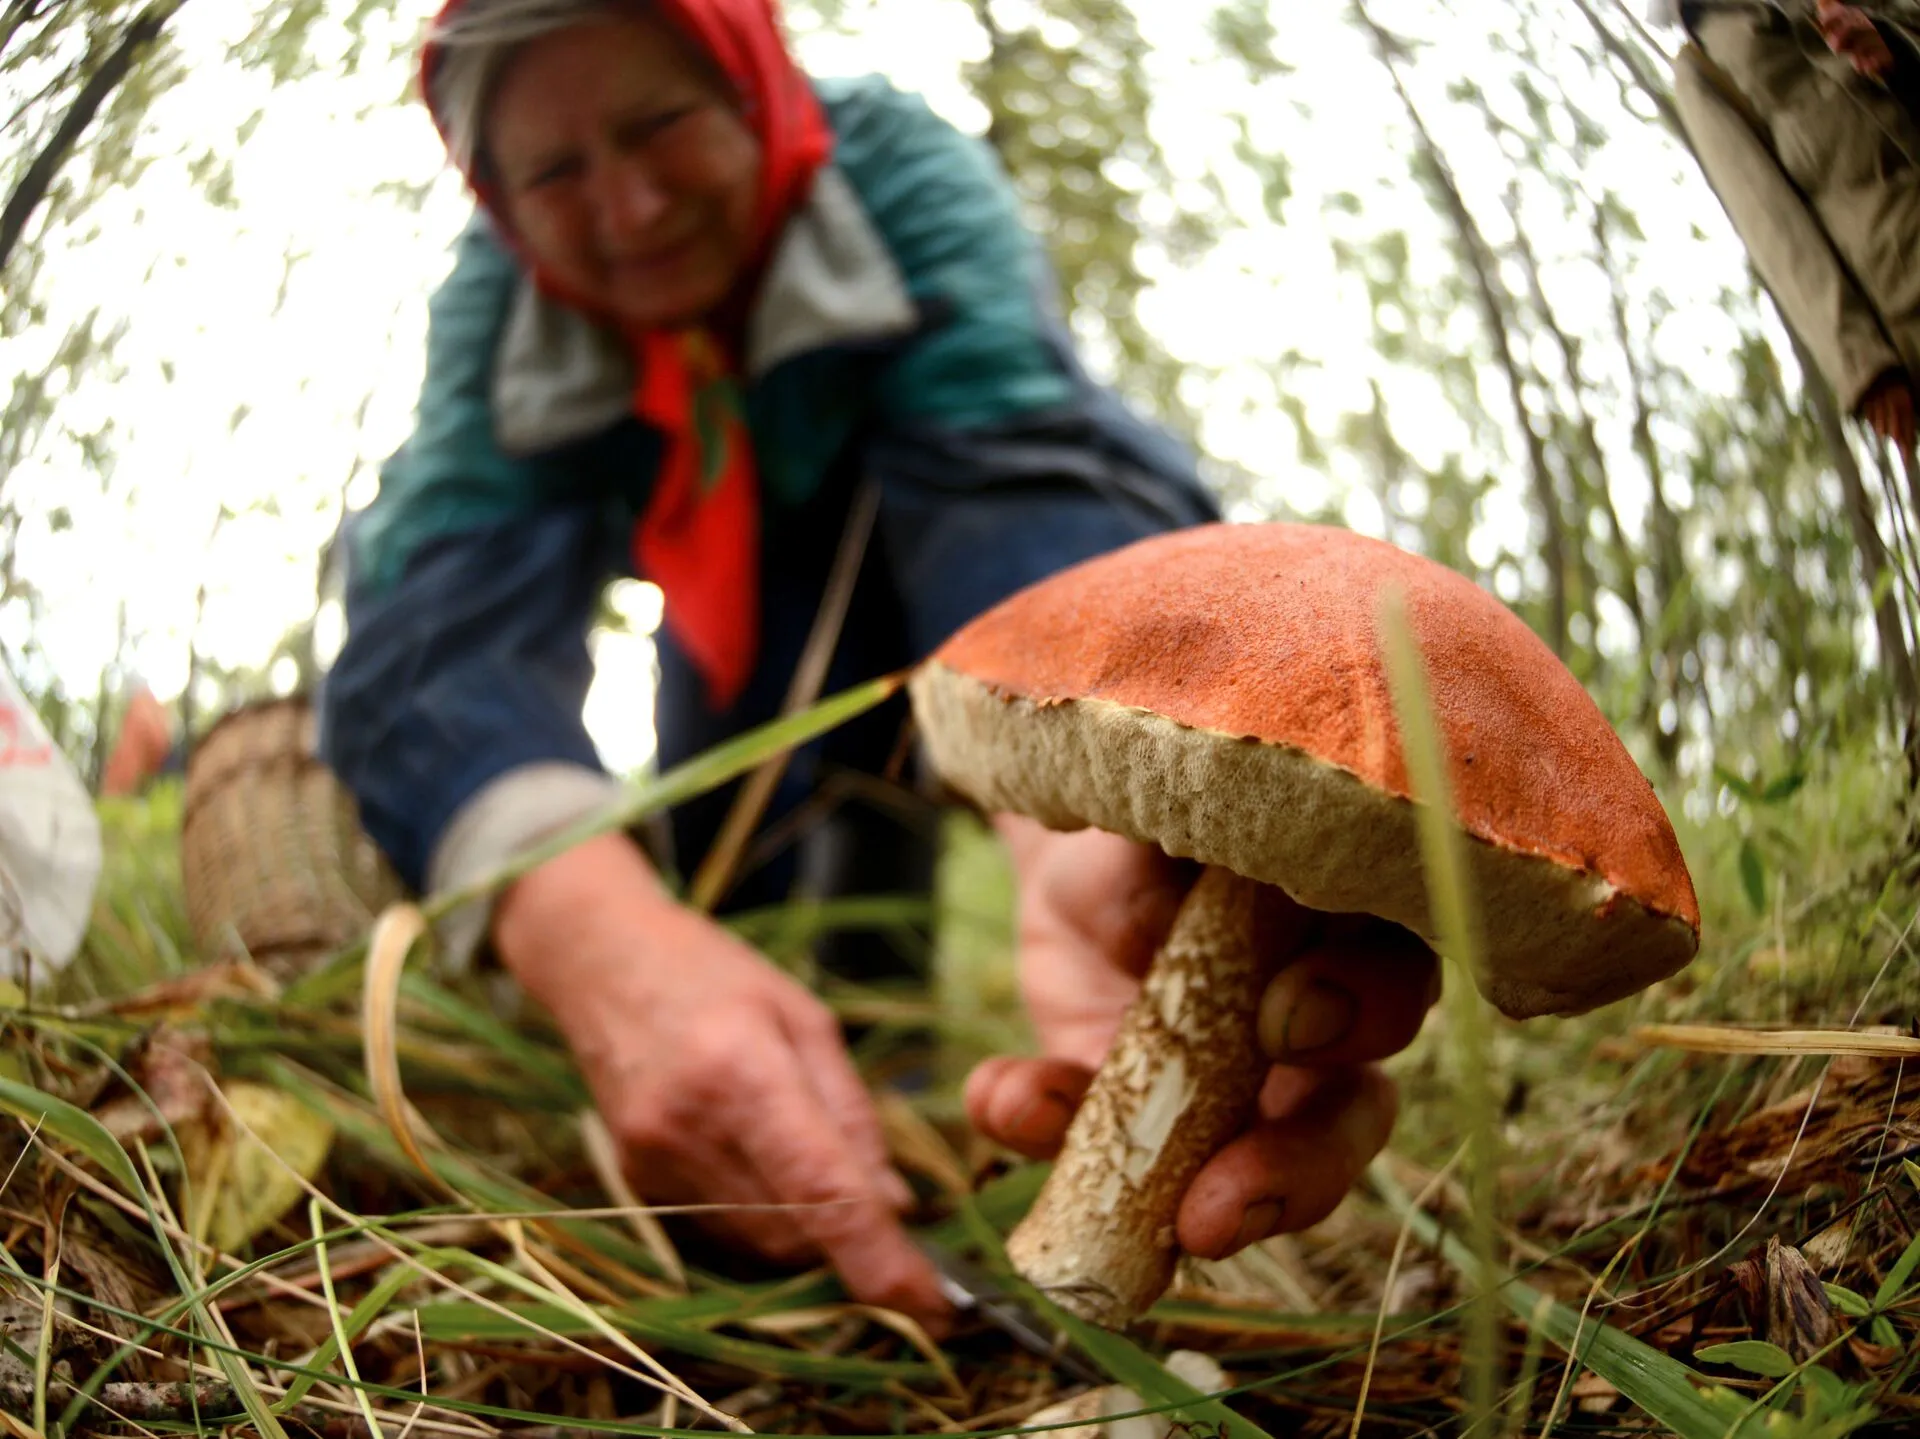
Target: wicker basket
271,850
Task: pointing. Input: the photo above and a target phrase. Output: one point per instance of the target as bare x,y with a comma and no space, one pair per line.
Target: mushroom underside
1560,939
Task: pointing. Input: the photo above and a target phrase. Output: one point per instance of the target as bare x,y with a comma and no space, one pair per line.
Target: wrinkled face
625,169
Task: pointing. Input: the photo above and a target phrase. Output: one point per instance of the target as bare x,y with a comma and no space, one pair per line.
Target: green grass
1631,1187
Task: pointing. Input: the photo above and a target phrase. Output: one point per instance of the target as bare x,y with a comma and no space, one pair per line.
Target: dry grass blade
648,1229
673,1383
1724,1039
723,856
224,1353
371,1305
398,930
795,1321
394,936
425,1263
1420,1201
148,1200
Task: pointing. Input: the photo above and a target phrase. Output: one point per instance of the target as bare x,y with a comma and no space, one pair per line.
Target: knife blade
972,1290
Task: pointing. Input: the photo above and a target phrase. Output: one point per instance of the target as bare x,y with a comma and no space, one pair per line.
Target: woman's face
625,169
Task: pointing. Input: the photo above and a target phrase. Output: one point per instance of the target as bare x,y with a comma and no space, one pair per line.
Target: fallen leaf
1874,1356
1593,1386
240,1184
190,993
1799,1314
1827,1250
169,1069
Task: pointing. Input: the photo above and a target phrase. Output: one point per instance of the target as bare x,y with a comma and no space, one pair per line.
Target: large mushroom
1221,692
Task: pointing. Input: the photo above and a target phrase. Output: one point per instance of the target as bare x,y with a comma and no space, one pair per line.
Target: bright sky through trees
273,344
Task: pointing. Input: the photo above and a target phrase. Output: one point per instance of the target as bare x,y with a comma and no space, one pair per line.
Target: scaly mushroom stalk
1181,1080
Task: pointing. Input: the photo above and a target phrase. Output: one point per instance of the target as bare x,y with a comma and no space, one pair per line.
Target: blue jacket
902,333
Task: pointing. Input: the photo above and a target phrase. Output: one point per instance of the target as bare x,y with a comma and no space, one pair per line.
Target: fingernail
1320,1017
1260,1220
897,1191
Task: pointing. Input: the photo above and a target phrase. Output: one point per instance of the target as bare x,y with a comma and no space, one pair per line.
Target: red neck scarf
699,539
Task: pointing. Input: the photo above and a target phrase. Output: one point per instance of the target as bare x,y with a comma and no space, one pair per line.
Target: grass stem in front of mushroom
1456,925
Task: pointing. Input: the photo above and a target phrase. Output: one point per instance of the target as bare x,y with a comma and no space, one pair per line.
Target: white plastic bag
49,842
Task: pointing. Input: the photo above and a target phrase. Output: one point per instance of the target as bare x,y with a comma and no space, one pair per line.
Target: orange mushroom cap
1222,692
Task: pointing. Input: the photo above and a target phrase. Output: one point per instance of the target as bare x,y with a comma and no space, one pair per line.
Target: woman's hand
1850,32
1888,407
1093,909
723,1081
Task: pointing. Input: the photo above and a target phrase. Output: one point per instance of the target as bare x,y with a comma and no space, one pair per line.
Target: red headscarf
699,539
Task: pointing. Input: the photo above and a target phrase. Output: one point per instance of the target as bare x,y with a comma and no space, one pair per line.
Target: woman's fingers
1356,992
1351,998
1026,1104
1289,1173
805,1159
730,1202
828,1069
1314,1137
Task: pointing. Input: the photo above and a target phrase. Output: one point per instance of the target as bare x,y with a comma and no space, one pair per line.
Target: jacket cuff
510,815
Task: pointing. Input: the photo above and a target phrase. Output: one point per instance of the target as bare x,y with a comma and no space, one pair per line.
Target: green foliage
140,931
68,1124
1759,802
1755,1356
80,84
1070,106
1667,1390
1829,1408
1684,526
1675,525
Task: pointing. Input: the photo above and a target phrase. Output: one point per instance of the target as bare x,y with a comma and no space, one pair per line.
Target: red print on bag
17,749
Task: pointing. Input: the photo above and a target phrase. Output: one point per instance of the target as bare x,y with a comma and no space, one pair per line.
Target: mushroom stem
1180,1080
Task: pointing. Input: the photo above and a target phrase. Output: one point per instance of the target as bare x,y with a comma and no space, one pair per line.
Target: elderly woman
703,304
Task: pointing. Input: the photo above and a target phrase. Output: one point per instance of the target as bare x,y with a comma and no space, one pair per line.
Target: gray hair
473,45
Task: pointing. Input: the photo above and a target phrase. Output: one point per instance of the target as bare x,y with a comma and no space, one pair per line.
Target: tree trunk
1599,486
1495,307
1636,66
1664,526
141,31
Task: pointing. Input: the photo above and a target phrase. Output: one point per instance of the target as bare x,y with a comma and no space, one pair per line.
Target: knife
972,1290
